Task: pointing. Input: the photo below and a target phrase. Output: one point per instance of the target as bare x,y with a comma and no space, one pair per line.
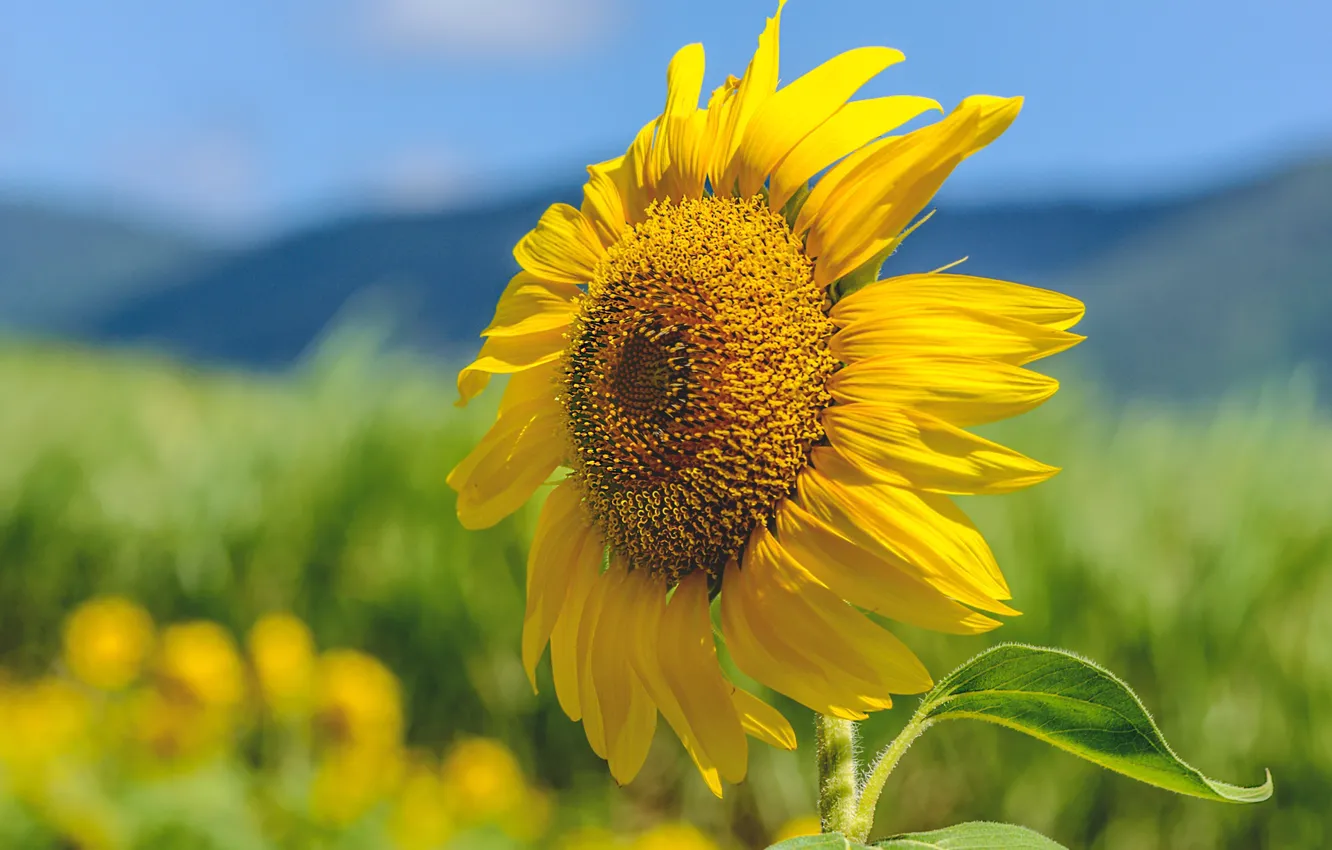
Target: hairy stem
862,821
837,773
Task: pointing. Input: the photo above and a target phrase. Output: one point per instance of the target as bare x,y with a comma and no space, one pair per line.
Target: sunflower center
695,380
641,376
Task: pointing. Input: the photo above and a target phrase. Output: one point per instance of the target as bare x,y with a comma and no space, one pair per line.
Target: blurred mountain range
60,266
1188,295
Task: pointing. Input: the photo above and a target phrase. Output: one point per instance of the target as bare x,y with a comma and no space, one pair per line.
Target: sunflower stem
862,820
837,773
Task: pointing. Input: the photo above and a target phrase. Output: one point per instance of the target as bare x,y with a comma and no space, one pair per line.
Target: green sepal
977,835
1078,706
791,209
863,275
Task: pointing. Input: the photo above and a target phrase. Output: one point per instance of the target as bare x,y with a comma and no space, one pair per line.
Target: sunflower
742,410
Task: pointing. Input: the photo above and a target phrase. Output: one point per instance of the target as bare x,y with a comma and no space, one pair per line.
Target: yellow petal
913,449
825,188
869,579
860,242
941,330
540,382
684,84
552,561
588,701
867,208
688,659
854,125
765,656
720,104
503,355
602,205
508,464
563,248
762,721
565,663
756,86
632,174
629,717
856,664
998,297
684,81
691,150
530,305
784,119
852,648
962,390
915,528
646,608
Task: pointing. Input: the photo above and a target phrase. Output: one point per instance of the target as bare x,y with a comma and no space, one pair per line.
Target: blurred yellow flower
107,641
358,702
421,817
41,723
796,827
352,780
483,781
673,836
170,728
535,816
180,728
199,684
199,663
283,652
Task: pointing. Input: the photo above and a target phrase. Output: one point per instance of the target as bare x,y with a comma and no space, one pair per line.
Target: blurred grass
1188,550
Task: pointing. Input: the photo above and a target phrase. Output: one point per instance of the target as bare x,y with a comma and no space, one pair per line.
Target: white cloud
449,28
422,178
209,175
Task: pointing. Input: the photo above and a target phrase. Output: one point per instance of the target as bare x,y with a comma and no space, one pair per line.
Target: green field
1189,550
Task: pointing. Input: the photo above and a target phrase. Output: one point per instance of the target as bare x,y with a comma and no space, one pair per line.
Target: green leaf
973,836
1078,706
828,841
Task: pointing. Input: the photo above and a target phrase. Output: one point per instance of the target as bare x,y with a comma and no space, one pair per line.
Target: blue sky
239,117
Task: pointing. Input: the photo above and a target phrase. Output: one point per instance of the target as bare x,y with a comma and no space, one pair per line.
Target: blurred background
244,246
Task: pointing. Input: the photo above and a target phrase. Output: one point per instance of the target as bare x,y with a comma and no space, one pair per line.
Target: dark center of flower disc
695,380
